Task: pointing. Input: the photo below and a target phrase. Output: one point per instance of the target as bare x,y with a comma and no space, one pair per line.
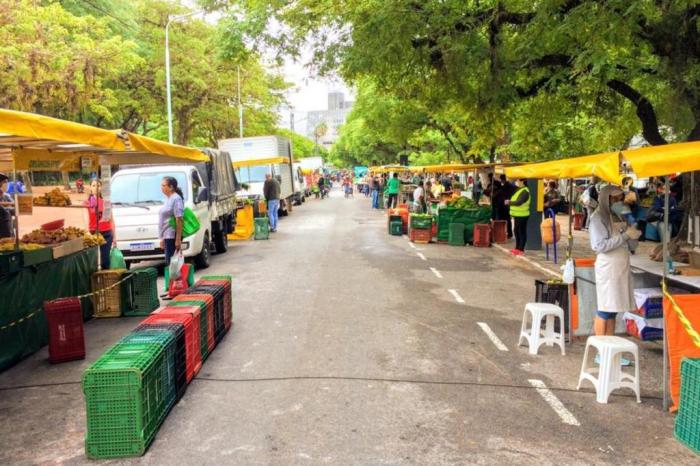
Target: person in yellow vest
519,205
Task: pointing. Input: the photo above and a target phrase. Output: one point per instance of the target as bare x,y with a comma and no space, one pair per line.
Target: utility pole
240,105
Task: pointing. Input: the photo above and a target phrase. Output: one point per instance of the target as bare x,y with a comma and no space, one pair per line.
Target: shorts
606,315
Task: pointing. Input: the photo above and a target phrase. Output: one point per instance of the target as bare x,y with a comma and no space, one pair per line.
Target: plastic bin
420,223
467,217
107,302
199,309
140,292
687,428
482,235
499,229
193,355
396,228
225,281
557,294
421,236
456,234
262,228
217,292
393,218
64,318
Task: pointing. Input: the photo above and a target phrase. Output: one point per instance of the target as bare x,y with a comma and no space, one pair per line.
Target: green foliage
303,146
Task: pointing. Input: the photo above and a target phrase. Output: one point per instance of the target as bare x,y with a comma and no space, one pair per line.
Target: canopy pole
666,259
14,179
572,209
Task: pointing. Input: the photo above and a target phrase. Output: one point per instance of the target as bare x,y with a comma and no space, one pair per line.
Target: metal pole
666,271
14,177
167,81
240,105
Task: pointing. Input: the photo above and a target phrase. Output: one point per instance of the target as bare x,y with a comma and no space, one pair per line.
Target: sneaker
517,252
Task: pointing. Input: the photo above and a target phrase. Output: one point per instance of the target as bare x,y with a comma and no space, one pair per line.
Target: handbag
190,223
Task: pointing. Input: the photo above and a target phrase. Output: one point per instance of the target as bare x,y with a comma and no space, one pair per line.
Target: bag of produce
190,223
116,259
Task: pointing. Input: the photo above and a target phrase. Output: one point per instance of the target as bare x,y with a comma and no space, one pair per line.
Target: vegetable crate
262,228
421,236
197,308
64,318
456,234
217,292
687,429
193,355
421,222
107,294
175,377
224,280
140,292
393,218
396,228
125,398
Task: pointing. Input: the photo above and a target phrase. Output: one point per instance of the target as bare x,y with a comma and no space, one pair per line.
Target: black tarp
220,177
24,292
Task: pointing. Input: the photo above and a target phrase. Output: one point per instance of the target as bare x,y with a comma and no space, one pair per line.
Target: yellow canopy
605,166
388,168
153,146
256,162
664,160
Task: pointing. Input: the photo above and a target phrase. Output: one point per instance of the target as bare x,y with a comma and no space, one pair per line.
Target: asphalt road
349,348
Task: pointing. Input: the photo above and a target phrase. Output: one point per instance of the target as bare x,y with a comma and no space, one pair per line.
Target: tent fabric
680,344
664,160
45,160
18,125
23,294
256,162
153,146
605,166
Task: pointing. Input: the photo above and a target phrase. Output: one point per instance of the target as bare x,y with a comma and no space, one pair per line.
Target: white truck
209,190
255,157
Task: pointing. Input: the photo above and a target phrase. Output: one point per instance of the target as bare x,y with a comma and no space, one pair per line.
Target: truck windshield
252,174
143,188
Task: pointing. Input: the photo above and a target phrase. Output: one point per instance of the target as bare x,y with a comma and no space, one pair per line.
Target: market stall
57,262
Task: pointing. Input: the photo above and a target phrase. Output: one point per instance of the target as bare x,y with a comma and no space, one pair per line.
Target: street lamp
171,19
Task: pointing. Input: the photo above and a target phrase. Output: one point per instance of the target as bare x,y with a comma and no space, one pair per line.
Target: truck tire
221,241
202,260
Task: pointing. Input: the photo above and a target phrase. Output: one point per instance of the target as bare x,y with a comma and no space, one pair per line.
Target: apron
613,277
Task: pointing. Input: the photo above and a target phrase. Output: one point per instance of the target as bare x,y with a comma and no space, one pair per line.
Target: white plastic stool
609,374
534,335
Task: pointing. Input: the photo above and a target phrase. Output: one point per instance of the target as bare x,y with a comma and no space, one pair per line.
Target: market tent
255,162
664,160
605,166
388,168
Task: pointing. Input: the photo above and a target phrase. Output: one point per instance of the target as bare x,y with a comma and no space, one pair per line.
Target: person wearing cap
519,206
611,240
6,208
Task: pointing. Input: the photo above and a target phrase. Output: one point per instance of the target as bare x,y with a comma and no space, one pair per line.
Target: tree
301,145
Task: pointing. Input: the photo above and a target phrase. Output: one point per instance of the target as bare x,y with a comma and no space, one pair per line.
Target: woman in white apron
611,243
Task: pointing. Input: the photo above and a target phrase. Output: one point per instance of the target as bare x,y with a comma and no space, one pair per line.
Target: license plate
142,246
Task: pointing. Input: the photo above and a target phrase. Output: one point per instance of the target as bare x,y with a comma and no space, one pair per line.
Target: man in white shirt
418,199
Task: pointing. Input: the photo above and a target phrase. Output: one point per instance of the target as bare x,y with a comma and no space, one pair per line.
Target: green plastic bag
190,223
116,259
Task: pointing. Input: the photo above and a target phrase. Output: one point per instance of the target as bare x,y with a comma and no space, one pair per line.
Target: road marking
553,401
404,236
436,272
492,336
412,245
529,261
456,296
420,254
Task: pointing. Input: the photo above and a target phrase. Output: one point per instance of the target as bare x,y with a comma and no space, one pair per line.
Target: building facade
334,117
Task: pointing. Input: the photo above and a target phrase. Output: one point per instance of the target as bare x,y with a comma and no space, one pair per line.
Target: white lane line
492,336
436,272
456,296
554,403
412,245
420,254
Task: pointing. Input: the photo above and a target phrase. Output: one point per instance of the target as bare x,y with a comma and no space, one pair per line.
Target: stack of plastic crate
217,293
140,292
175,374
205,305
687,429
228,296
193,354
64,317
125,398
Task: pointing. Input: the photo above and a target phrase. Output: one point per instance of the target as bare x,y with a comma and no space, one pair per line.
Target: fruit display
8,245
54,198
461,203
61,235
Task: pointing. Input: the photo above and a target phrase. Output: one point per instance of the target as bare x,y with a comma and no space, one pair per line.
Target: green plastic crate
203,323
468,217
393,218
421,223
262,228
140,292
456,234
125,400
687,428
396,228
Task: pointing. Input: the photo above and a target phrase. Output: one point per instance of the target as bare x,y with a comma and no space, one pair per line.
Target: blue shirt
174,207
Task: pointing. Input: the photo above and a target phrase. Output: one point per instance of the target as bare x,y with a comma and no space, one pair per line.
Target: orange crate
421,236
482,235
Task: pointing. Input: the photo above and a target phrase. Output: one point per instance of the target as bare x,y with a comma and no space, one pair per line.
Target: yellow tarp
154,146
44,160
664,160
256,162
389,168
19,125
605,166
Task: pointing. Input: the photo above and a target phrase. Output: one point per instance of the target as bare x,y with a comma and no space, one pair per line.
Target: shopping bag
190,223
568,275
116,259
179,285
175,266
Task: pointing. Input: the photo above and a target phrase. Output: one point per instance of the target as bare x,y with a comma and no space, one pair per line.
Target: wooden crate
107,302
68,247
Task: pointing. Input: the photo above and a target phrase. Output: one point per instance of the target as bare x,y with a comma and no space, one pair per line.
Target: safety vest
520,210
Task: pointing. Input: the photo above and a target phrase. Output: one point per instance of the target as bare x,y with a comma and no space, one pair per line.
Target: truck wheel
221,242
203,258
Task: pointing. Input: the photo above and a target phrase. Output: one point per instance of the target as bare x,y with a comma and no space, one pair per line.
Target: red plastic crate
482,235
193,310
66,337
211,341
193,354
421,236
500,231
228,304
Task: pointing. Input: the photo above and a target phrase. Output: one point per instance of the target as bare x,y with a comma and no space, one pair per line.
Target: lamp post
171,19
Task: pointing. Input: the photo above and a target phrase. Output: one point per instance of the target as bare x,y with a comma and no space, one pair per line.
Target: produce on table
61,235
461,203
426,216
54,198
8,245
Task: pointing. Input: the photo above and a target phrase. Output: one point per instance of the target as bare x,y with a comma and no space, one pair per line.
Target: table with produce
461,210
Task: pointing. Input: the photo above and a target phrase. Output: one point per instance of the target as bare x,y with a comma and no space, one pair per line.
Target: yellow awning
256,162
664,160
605,166
154,146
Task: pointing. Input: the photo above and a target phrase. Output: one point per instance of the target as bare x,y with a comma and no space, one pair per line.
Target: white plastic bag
568,275
175,266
